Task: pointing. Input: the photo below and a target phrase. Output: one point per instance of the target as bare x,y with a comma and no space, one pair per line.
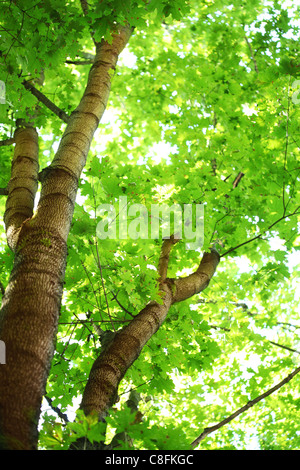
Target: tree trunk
31,304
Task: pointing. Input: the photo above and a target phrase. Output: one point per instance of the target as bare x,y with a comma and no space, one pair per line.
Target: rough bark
110,367
23,183
31,304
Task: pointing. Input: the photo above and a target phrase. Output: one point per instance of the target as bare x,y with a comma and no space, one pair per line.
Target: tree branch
285,347
80,62
2,289
85,9
48,103
57,410
23,183
120,305
238,179
10,141
86,58
111,365
103,285
286,148
84,6
262,233
185,287
251,52
251,403
3,191
164,257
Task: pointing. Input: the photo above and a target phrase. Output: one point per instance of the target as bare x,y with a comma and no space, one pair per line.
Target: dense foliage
204,93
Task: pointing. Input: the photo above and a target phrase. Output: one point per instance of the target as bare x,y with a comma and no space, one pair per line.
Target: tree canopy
203,109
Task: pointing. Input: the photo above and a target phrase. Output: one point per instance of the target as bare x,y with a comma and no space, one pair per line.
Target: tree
205,114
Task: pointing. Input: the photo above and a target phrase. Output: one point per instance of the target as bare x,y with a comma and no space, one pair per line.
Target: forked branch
110,367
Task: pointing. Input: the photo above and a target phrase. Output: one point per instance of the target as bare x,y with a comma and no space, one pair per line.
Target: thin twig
103,286
16,38
260,234
84,323
138,386
288,324
215,226
285,347
78,322
93,289
120,305
252,56
85,9
235,183
250,403
286,148
57,410
80,62
99,263
48,103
